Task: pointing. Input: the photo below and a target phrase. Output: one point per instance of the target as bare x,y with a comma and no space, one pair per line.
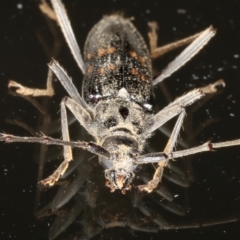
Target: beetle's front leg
151,185
84,119
67,150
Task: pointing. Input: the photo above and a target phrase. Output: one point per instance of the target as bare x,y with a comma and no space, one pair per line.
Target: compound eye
128,180
112,174
129,175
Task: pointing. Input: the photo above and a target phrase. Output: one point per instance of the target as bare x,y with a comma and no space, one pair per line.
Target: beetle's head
119,179
122,163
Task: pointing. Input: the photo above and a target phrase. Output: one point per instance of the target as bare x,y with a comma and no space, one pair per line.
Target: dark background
216,191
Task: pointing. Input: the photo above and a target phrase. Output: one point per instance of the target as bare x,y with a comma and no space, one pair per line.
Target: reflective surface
215,191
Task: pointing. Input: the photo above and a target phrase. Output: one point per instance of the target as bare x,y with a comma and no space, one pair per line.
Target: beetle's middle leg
151,185
34,92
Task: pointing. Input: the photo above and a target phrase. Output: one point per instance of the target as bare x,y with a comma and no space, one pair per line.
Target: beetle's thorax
120,119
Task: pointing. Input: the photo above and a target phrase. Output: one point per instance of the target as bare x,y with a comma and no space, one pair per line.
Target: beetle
117,103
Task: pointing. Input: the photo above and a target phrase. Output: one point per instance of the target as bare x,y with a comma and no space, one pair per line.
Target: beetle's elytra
117,57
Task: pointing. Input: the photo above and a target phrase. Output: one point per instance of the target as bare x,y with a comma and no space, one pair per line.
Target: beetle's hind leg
159,51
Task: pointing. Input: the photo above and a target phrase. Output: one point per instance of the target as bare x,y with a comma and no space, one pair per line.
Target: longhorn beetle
117,103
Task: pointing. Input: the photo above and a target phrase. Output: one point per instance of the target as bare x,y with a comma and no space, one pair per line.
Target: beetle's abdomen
116,56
